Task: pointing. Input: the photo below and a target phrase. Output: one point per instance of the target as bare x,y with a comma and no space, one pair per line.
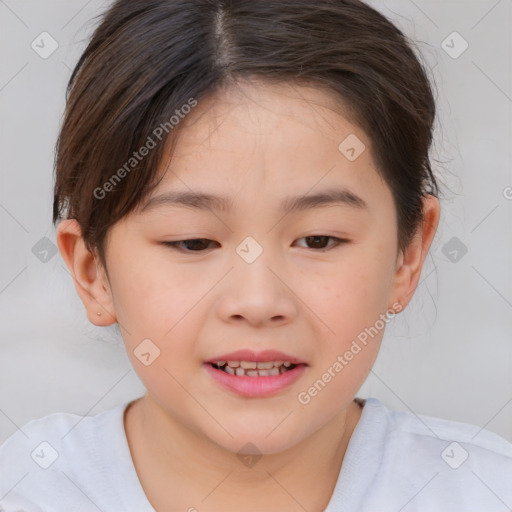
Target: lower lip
255,386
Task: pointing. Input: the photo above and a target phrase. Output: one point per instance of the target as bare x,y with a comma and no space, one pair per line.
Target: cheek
350,298
163,322
150,294
162,303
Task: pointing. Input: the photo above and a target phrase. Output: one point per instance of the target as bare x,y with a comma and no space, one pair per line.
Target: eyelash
337,243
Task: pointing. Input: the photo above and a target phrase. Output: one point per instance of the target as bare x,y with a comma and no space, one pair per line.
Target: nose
258,293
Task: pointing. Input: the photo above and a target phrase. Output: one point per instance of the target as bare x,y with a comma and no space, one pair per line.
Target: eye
319,241
196,244
201,244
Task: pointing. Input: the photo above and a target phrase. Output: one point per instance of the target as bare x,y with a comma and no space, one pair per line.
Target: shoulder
54,452
420,429
450,464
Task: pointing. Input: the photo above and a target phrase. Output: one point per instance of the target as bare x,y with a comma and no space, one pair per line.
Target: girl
245,188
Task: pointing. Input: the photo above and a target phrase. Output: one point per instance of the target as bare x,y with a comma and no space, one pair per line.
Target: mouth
255,378
254,368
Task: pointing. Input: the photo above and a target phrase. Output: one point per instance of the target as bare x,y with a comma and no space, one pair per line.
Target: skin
256,143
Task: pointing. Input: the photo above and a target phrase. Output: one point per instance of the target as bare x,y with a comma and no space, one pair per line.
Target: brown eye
192,245
319,242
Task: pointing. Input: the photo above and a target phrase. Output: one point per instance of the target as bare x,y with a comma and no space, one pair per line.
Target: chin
258,441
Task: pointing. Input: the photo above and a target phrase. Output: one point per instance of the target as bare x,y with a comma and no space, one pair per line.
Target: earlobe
411,260
88,274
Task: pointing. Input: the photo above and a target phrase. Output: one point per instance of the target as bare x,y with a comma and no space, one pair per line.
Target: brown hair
148,59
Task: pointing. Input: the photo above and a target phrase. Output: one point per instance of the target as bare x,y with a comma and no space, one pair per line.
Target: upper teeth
252,365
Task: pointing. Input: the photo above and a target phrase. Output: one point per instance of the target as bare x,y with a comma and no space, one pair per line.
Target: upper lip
250,355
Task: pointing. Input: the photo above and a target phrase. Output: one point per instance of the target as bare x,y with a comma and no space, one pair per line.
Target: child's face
257,149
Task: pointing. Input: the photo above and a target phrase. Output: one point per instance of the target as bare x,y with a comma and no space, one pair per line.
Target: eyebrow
204,201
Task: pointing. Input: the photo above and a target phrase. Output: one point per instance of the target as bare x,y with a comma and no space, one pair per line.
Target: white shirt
395,461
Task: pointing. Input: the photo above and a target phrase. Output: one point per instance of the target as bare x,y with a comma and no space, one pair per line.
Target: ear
89,276
410,261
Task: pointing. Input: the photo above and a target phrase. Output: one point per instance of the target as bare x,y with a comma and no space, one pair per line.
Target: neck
178,467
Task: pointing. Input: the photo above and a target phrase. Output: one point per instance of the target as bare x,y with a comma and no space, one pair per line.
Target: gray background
448,355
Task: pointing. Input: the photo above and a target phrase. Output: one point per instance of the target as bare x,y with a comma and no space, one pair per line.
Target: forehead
271,116
273,140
